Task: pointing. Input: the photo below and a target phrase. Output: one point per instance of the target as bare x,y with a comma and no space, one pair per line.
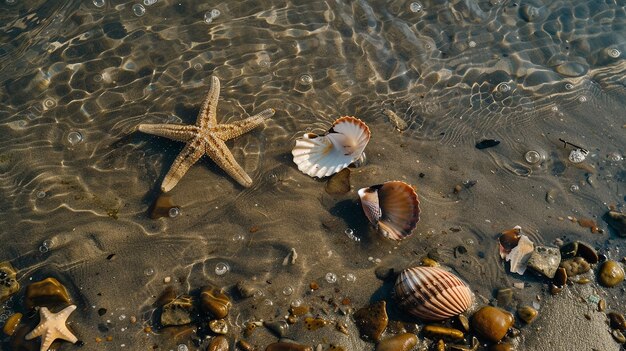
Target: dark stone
487,143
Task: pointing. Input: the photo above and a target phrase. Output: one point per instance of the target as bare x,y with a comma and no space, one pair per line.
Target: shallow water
78,183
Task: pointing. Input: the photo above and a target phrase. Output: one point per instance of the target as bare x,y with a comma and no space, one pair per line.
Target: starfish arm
47,340
219,153
208,112
65,313
38,331
177,132
66,334
233,130
187,157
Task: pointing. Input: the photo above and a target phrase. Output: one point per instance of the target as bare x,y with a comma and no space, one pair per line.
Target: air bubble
148,271
122,317
287,291
197,66
173,212
41,194
349,232
532,157
268,302
569,86
149,2
43,249
331,277
472,44
615,157
350,277
99,3
221,268
182,347
296,303
574,188
416,7
614,53
215,13
208,18
139,10
97,78
239,237
306,79
49,103
582,99
74,138
503,87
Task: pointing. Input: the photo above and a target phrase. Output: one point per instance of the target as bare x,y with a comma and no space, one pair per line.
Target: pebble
429,262
618,336
611,273
245,289
400,342
315,323
287,346
575,266
491,323
545,260
279,328
11,324
219,343
587,252
339,183
177,311
617,221
435,332
372,320
487,143
396,120
8,283
48,292
214,302
527,314
244,345
504,297
218,326
617,321
560,277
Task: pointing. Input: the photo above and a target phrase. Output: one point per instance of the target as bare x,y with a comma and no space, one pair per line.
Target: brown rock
11,324
491,323
48,292
214,302
8,283
560,277
315,323
611,273
575,266
372,320
219,343
400,342
218,326
617,221
527,314
617,321
435,332
287,346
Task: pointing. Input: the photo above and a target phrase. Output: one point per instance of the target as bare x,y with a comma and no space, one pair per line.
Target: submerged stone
617,221
372,320
611,273
219,343
400,342
339,183
492,323
572,69
214,302
8,283
545,260
48,292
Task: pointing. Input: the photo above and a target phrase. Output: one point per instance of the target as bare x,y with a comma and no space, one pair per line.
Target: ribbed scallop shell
324,155
392,207
432,293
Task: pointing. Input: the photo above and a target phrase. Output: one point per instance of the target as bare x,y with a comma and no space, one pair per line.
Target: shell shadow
352,214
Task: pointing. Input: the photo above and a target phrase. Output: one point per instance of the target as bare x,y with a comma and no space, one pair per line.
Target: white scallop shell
392,207
324,155
432,293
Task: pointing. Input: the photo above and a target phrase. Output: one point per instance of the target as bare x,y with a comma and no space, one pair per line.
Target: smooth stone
400,342
617,321
435,332
510,238
279,328
339,183
491,323
48,292
575,266
504,297
572,69
560,277
8,282
177,311
214,302
11,324
611,273
545,260
372,320
287,346
527,314
617,221
218,326
219,343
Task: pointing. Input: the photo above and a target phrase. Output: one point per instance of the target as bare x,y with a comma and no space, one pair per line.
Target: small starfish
52,326
206,136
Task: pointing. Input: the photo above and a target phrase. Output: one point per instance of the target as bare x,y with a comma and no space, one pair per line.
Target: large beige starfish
206,136
52,326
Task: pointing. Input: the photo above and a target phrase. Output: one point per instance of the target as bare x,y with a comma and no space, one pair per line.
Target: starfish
206,137
52,326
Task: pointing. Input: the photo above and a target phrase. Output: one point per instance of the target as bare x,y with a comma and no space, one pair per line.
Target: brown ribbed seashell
432,293
393,207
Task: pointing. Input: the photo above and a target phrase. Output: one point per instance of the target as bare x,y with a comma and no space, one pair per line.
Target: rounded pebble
532,157
527,314
611,273
400,342
492,323
208,18
613,53
416,7
139,10
219,343
222,268
11,324
173,212
331,278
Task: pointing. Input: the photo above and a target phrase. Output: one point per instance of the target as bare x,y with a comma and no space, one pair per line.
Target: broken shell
392,207
323,155
432,293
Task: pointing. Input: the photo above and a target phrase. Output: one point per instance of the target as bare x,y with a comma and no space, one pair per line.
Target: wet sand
525,74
